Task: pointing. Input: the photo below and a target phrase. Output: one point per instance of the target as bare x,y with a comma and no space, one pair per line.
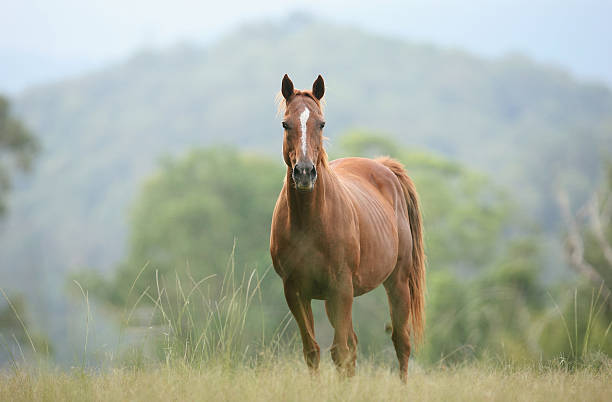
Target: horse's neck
307,209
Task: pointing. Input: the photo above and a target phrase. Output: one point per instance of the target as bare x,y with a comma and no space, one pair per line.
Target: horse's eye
285,125
322,124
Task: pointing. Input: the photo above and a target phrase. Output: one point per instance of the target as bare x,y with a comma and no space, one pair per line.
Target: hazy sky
45,40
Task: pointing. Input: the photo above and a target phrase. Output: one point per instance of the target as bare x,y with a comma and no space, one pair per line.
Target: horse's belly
319,271
378,251
377,262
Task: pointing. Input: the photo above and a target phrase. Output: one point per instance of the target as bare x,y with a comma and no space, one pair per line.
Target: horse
339,230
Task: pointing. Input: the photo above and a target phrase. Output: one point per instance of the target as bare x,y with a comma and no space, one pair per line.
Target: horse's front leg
302,312
344,348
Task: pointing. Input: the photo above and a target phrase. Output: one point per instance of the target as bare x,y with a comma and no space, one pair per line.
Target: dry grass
192,347
288,380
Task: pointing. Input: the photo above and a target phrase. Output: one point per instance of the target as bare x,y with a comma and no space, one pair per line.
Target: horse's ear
318,87
287,87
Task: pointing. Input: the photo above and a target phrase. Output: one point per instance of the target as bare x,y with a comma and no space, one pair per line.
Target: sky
43,41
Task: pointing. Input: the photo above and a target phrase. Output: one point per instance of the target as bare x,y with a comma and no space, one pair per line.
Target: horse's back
369,176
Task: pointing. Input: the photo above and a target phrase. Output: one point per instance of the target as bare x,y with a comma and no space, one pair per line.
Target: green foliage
16,337
587,311
17,148
191,213
491,314
594,248
579,328
201,322
485,295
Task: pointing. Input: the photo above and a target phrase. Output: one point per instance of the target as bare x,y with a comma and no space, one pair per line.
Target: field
215,359
288,380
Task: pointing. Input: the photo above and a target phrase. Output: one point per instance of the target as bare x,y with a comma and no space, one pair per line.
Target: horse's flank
417,278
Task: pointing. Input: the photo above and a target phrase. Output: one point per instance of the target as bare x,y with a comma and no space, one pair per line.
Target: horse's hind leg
344,347
398,294
302,312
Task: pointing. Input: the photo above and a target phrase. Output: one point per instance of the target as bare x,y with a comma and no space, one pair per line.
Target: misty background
149,116
69,38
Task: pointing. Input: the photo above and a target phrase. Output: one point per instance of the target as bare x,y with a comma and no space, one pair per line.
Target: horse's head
303,124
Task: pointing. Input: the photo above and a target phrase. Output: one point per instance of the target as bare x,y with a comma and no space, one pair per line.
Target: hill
528,126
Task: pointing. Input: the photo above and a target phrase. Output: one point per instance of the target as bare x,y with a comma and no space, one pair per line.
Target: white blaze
303,119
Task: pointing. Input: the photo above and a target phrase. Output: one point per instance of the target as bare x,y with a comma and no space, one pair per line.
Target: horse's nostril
305,170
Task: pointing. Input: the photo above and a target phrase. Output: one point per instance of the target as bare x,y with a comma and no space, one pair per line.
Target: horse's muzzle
304,176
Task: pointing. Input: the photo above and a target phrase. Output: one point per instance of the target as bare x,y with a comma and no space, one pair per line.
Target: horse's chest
318,256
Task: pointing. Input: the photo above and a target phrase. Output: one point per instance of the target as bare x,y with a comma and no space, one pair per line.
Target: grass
200,353
288,380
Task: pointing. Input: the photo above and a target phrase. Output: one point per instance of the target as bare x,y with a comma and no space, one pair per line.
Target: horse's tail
416,275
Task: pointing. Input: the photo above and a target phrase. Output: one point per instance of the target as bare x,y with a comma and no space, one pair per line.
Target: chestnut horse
339,230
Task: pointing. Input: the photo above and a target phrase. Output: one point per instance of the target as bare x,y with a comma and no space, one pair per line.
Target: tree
198,227
485,293
588,245
17,149
189,216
